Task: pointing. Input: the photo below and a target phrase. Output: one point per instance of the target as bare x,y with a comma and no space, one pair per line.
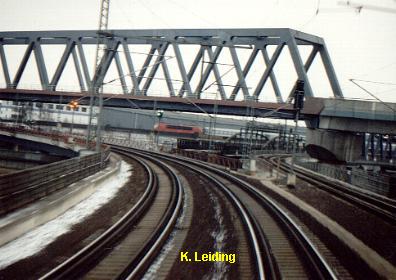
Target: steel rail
84,258
382,207
247,218
153,247
313,258
310,254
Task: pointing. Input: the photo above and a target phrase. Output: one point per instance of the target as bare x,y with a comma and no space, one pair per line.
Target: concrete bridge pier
378,146
333,145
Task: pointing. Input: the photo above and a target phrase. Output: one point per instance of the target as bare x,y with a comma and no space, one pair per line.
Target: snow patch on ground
219,235
153,269
34,241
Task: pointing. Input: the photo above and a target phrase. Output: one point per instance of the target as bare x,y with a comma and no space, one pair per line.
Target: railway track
279,247
375,204
157,210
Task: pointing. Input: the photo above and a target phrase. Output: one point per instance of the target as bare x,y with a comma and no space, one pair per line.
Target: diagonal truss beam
210,41
161,53
84,65
331,74
299,66
131,68
168,78
78,70
22,65
121,75
241,77
307,65
5,66
38,53
186,80
268,71
272,76
104,64
206,73
245,71
61,65
216,73
145,66
191,72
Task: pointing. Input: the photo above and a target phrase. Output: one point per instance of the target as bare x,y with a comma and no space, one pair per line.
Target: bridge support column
389,144
331,145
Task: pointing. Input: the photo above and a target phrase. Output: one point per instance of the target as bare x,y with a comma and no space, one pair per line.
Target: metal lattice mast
103,26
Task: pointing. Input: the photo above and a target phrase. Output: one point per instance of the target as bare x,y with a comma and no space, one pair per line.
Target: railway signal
160,114
298,105
299,95
73,104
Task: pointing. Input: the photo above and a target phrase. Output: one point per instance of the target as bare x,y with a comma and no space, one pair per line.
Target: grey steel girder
211,42
78,70
245,71
131,68
61,65
193,67
307,65
186,80
5,66
121,75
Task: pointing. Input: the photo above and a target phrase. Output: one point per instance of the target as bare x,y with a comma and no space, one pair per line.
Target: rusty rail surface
231,163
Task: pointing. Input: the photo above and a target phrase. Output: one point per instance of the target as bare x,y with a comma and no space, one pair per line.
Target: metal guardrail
22,187
380,184
137,144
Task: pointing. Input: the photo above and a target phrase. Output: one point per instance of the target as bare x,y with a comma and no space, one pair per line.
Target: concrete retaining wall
50,207
22,187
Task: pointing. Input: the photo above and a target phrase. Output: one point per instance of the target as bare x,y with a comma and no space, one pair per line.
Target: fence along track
382,207
19,188
317,266
314,261
135,267
79,263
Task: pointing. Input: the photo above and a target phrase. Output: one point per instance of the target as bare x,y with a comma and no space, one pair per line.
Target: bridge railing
20,188
380,184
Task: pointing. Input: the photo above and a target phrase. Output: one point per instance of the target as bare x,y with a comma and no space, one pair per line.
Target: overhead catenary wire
175,80
138,70
375,82
313,16
360,6
372,95
163,39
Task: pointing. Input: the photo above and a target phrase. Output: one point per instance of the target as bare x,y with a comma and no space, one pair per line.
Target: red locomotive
181,130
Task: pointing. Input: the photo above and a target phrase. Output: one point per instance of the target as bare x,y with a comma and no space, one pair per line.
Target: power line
372,95
375,82
138,70
359,7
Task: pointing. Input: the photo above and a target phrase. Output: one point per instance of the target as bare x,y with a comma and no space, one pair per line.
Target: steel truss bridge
162,44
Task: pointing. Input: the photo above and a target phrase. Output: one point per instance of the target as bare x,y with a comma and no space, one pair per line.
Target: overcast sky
361,45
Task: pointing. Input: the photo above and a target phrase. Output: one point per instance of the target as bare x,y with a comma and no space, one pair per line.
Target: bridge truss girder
211,42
